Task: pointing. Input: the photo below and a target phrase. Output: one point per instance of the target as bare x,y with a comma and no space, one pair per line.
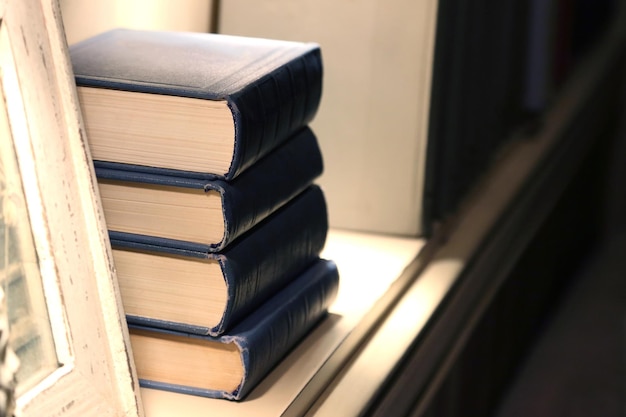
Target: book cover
229,366
262,91
210,212
189,288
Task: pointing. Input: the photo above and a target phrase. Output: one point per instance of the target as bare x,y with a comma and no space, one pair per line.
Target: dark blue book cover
229,366
160,282
271,88
139,205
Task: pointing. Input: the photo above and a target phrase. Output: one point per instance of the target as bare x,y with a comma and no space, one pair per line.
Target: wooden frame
95,375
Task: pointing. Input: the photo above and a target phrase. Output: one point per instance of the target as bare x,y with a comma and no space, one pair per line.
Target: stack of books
206,167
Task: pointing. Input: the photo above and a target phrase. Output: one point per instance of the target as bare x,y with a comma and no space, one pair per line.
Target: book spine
269,184
275,106
278,325
265,260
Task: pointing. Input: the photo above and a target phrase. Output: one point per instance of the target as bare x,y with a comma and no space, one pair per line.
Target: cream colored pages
369,265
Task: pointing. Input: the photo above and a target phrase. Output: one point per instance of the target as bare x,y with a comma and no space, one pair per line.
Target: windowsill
371,270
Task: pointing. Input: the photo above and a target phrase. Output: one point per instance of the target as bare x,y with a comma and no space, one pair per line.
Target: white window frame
96,375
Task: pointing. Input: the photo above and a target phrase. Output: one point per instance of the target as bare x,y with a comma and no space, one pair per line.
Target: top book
194,104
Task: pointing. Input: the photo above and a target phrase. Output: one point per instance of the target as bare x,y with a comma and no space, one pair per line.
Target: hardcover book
210,212
230,365
189,288
227,100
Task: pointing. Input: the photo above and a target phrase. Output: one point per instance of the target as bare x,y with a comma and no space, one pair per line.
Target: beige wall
373,118
83,19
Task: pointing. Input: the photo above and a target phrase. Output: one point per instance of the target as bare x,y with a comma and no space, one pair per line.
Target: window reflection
30,334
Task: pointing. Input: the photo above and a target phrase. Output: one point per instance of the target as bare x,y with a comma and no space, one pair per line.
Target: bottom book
230,365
